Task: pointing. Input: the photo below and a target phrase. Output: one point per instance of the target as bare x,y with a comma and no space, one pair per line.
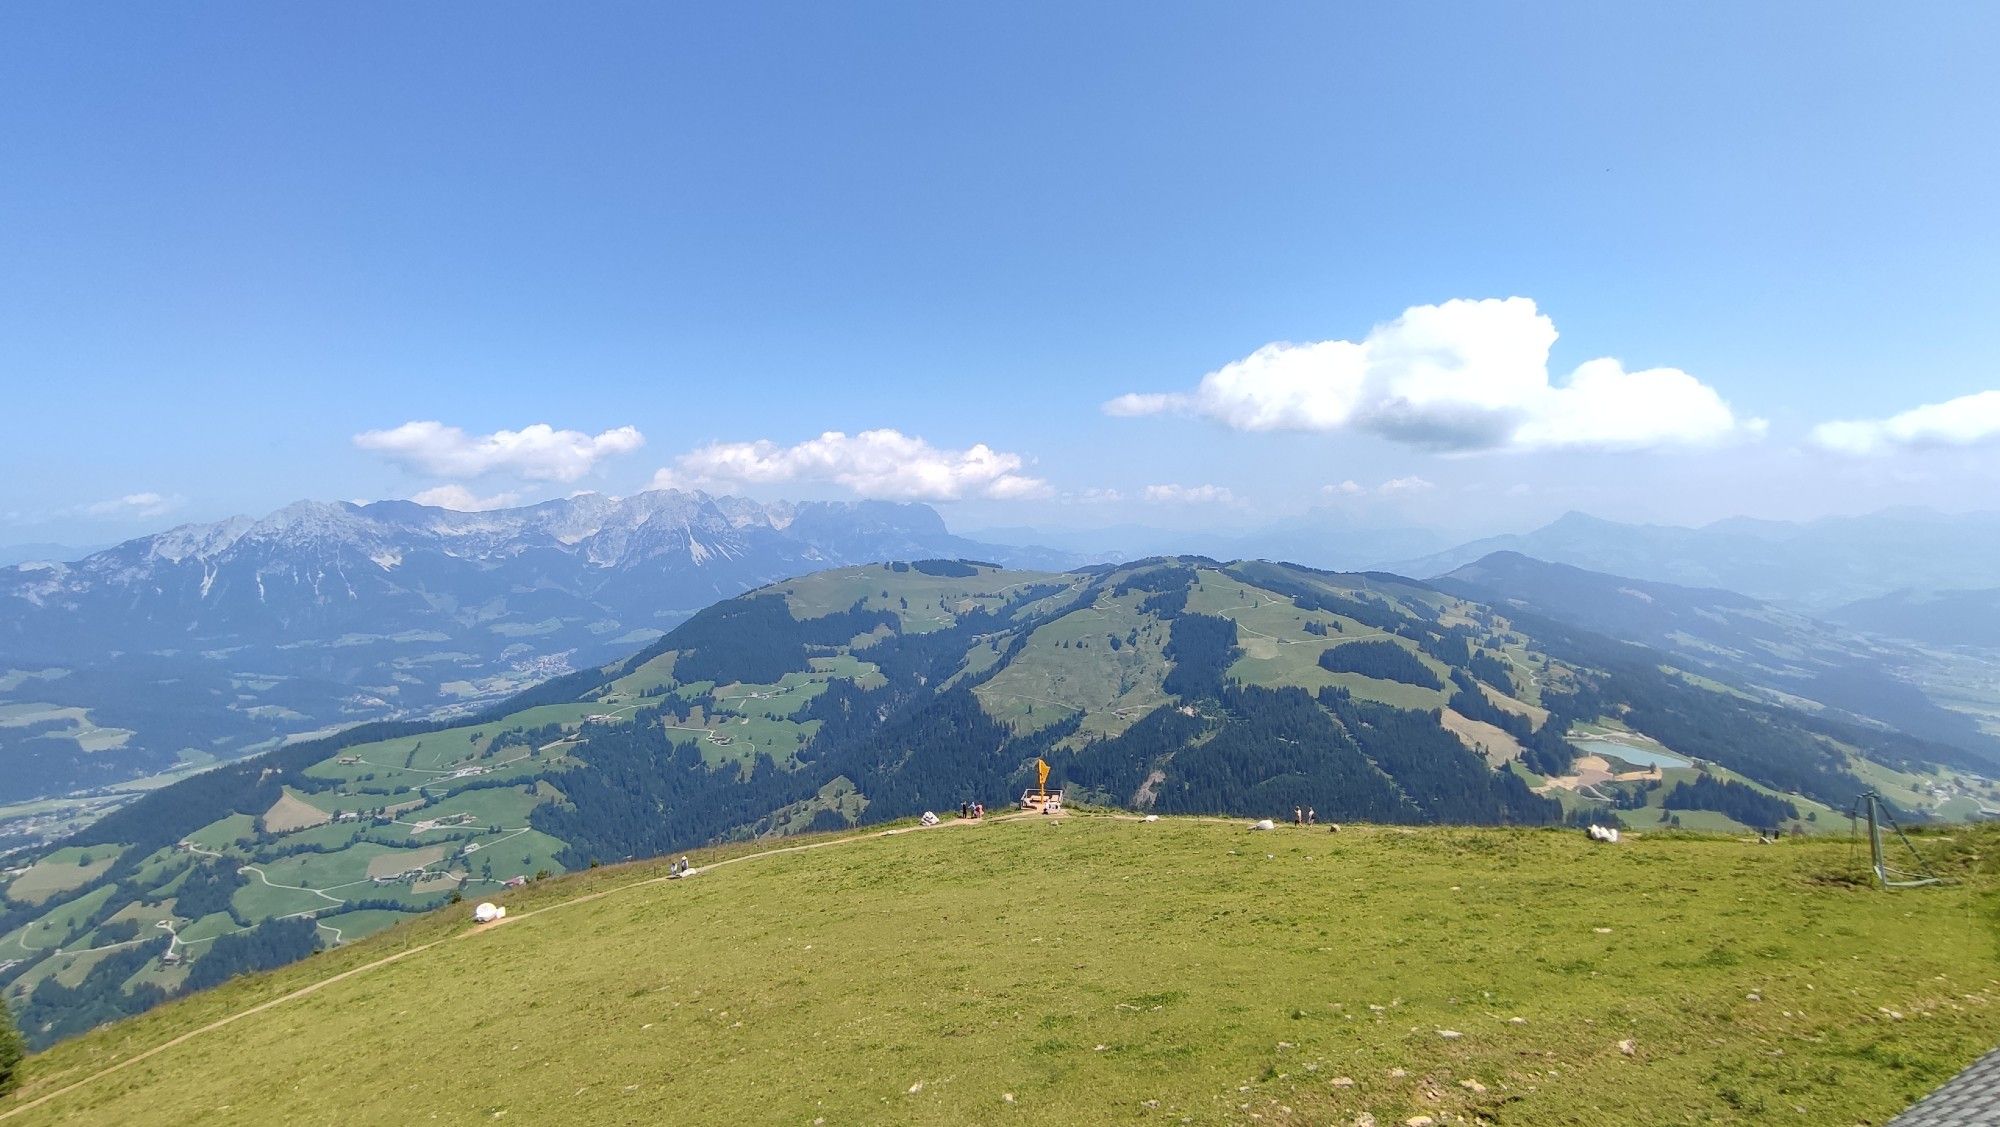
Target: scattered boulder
1628,1047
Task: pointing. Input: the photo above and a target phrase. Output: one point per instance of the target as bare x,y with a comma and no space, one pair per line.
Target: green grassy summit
1099,969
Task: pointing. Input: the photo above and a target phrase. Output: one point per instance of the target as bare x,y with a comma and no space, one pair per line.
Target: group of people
972,809
1305,817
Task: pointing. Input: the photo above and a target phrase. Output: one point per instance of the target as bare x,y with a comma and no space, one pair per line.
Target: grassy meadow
1100,969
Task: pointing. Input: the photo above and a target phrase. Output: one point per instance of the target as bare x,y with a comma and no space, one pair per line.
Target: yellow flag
1042,770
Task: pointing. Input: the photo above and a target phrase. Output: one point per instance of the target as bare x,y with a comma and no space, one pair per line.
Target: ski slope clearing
1103,969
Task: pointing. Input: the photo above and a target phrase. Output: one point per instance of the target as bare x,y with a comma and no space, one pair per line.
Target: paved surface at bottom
1970,1099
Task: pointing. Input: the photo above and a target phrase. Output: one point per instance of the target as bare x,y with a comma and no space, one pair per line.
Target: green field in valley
1098,969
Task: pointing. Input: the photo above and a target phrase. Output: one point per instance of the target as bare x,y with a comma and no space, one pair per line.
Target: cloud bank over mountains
534,453
461,499
142,505
1964,421
1176,494
883,463
1461,377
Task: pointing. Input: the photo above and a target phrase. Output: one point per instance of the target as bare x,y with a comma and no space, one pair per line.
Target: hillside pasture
1046,682
225,832
945,977
934,600
395,861
60,872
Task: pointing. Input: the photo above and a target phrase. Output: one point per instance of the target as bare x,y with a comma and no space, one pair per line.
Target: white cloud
1093,496
1394,487
133,505
1133,404
1404,486
1462,376
1964,421
1190,495
463,500
883,463
533,453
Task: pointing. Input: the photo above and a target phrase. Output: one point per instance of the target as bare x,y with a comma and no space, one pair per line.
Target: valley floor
1103,969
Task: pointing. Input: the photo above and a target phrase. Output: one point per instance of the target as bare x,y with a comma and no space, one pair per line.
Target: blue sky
242,247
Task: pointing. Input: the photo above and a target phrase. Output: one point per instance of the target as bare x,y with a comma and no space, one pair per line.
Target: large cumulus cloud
1461,376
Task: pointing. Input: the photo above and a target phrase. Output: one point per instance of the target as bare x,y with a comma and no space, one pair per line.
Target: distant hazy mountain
1949,618
1740,640
11,554
211,640
1325,538
1815,565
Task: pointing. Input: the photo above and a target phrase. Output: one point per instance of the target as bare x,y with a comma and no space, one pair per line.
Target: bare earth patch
1590,770
1477,735
293,813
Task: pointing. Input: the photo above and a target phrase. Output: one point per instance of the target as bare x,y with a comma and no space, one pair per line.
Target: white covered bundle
1604,833
487,913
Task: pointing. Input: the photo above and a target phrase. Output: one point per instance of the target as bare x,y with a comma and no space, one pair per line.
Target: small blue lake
1637,756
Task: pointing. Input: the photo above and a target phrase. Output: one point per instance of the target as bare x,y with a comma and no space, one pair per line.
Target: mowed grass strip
1108,970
